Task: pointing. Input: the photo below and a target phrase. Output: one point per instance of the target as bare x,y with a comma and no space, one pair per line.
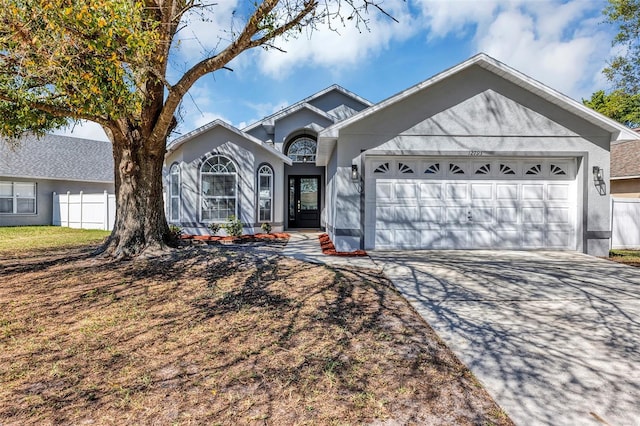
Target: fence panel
625,223
85,211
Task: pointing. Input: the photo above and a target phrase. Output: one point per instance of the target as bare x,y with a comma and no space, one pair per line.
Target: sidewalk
305,246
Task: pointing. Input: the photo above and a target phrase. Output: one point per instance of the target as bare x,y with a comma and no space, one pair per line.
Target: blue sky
563,44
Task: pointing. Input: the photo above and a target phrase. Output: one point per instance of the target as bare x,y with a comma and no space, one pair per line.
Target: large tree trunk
140,224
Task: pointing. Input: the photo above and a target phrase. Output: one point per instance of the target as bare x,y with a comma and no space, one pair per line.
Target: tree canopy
107,61
617,105
624,69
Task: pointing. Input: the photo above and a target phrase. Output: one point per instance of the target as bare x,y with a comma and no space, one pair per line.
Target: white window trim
175,170
202,196
271,174
14,197
312,157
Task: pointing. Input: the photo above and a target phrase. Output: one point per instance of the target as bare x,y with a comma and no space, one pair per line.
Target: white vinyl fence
86,211
625,223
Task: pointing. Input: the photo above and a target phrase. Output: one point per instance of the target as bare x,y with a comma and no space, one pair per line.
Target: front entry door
304,201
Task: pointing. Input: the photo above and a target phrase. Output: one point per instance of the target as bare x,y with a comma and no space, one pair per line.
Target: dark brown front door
304,201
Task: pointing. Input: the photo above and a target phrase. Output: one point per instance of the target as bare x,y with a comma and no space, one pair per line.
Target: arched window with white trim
174,193
218,189
265,193
302,150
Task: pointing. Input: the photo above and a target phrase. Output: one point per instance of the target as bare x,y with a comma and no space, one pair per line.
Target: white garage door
453,203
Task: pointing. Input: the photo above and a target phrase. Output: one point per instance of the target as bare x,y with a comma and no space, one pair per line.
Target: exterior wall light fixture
597,173
354,172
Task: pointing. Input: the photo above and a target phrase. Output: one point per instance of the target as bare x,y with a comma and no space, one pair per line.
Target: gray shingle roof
625,159
57,157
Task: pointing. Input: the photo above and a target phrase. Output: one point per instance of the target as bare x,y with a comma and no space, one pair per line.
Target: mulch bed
329,249
243,239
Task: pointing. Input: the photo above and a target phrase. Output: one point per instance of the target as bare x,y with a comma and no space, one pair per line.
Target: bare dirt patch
220,336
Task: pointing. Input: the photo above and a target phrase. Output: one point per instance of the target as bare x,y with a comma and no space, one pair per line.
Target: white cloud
85,130
557,42
345,47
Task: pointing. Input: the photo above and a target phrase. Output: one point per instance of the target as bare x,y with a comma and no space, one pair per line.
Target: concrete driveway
554,336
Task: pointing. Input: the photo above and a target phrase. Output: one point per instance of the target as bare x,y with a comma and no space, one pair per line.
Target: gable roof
328,137
625,160
270,119
57,157
220,123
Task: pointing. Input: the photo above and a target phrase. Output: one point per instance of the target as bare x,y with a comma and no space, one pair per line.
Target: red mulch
239,240
329,249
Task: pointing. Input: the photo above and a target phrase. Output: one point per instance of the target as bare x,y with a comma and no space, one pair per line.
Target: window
302,150
18,197
174,193
382,168
265,193
404,168
219,182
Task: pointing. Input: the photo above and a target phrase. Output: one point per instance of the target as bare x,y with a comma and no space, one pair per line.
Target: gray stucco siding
44,199
334,99
247,157
298,120
474,102
476,112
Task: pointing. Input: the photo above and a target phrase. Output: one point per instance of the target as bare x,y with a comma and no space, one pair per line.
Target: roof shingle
57,157
625,159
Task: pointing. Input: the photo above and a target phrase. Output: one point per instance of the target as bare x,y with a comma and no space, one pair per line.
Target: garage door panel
558,192
384,238
507,215
507,192
533,239
507,238
456,191
481,215
384,192
431,214
406,214
482,239
558,215
457,239
532,215
430,191
406,191
533,192
457,215
431,238
558,239
528,208
482,191
407,238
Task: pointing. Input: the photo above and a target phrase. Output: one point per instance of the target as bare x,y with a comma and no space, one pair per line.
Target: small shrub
266,227
214,228
175,231
233,226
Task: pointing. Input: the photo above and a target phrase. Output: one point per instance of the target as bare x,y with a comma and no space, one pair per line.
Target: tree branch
243,42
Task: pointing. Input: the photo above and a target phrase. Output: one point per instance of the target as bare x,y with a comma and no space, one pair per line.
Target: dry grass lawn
219,336
628,257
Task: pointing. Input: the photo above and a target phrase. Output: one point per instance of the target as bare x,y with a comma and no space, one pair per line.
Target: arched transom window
302,150
219,183
265,193
174,193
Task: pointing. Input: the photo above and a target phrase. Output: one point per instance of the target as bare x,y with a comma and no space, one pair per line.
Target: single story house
32,170
625,169
478,156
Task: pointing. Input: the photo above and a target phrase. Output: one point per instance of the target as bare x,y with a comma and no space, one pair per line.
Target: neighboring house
37,167
625,169
478,156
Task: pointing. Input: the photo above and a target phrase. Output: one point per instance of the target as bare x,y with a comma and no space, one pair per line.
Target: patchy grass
220,336
20,239
628,257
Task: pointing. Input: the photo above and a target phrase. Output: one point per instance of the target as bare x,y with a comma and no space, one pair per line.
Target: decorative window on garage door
381,168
